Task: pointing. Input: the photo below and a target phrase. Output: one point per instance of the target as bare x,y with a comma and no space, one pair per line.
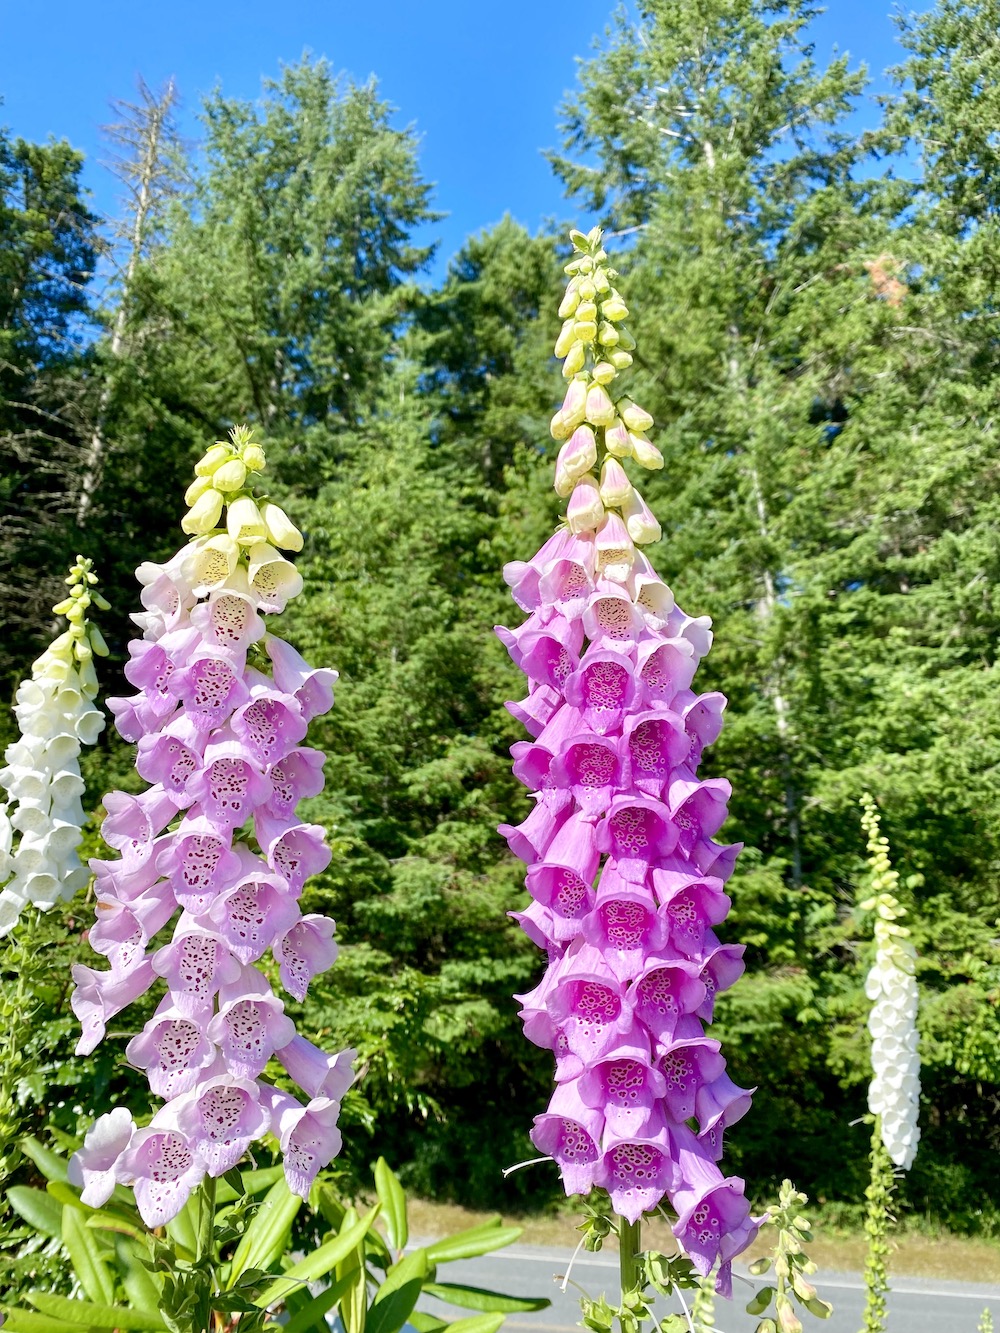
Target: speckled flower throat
625,877
220,713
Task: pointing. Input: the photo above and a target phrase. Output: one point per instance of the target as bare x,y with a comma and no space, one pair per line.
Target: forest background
816,314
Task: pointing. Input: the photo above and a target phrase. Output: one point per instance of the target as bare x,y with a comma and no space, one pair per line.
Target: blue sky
481,83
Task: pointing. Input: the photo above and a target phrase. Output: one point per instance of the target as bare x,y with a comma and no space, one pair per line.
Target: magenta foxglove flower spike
219,719
624,872
41,814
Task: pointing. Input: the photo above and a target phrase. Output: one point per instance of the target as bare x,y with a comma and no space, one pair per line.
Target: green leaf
478,1298
52,1165
96,1316
66,1195
319,1263
477,1323
266,1238
29,1321
183,1229
85,1255
141,1286
393,1201
427,1323
398,1295
254,1182
313,1314
38,1209
234,1180
477,1240
102,1219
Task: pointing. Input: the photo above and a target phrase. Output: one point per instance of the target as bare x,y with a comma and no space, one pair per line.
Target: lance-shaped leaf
266,1238
488,1302
85,1254
393,1201
485,1238
318,1264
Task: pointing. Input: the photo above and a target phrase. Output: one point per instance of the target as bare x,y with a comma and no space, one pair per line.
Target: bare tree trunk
146,133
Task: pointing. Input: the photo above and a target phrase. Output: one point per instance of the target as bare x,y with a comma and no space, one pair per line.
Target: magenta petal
316,1073
98,996
303,951
311,687
570,1133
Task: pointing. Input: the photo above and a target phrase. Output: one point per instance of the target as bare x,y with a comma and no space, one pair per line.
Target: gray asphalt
915,1305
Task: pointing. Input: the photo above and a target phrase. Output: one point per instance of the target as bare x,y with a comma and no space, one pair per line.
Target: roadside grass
916,1252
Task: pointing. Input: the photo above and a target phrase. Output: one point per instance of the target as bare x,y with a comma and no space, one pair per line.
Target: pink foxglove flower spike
625,876
219,722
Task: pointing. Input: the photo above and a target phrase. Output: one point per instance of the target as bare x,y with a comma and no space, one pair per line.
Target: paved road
915,1305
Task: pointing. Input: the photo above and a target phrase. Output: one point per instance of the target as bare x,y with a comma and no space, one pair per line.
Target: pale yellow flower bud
615,485
636,418
614,308
97,642
212,458
639,519
571,300
604,372
197,489
204,514
645,452
572,412
585,511
616,439
253,457
625,340
602,283
619,359
587,289
566,339
244,522
586,310
585,330
577,456
281,531
230,476
600,408
575,361
607,334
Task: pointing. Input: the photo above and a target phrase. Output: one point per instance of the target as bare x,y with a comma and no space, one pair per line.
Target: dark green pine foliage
48,248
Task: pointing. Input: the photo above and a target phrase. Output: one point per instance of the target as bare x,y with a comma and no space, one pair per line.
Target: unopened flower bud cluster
625,876
55,715
894,1093
219,719
599,430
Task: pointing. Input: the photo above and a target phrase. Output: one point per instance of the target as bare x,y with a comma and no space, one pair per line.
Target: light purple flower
163,1170
94,1165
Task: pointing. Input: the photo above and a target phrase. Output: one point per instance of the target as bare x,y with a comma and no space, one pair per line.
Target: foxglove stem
629,1246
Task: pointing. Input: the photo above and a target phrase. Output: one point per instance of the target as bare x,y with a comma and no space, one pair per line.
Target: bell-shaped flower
654,601
638,1169
691,904
637,833
303,951
563,881
199,862
687,1064
624,925
664,991
170,757
133,823
530,839
538,924
211,688
655,744
251,1024
713,1216
570,1132
195,965
317,1073
640,520
551,654
308,1136
230,786
122,930
589,1007
310,687
273,579
612,620
94,1166
665,668
228,621
577,456
720,1104
98,996
256,910
297,775
722,967
626,1087
568,582
297,851
603,687
220,1119
698,808
535,712
211,563
244,522
173,1049
151,669
590,766
269,725
702,716
163,1170
280,531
